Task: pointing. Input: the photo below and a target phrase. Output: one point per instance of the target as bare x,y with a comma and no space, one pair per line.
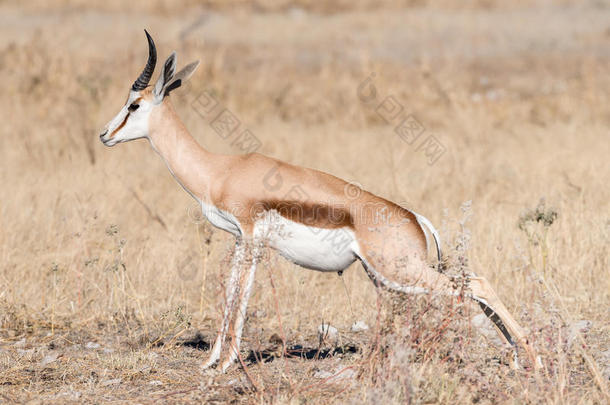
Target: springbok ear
166,76
180,78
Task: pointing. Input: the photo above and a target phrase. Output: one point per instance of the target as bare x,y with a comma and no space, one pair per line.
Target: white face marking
128,124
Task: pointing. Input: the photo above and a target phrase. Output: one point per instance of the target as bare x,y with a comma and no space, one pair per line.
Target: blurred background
484,116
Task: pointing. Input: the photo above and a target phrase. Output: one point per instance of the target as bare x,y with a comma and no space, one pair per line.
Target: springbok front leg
232,287
246,284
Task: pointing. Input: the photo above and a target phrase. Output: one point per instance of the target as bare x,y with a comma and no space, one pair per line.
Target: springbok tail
423,222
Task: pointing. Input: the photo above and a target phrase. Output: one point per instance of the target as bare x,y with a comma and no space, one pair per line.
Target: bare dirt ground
111,284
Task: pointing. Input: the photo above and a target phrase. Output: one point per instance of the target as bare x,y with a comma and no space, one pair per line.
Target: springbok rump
313,219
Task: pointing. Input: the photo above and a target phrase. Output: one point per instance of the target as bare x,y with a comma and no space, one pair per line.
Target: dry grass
110,284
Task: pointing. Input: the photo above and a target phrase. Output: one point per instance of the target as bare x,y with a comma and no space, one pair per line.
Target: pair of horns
142,80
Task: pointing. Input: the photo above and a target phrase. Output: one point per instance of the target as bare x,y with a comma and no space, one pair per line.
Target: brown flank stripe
310,214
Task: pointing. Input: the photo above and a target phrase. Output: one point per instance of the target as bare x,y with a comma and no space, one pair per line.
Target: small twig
169,394
205,270
349,298
243,365
150,213
377,339
176,336
589,361
279,316
327,379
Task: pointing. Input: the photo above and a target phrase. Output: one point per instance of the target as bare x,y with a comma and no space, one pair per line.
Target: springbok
313,219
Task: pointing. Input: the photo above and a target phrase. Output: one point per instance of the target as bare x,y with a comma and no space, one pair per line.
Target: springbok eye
132,107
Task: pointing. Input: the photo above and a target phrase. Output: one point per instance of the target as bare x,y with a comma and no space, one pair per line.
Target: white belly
314,248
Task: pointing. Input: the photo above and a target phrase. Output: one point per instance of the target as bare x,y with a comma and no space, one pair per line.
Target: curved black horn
146,74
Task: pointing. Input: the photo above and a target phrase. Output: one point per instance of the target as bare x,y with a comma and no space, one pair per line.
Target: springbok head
132,120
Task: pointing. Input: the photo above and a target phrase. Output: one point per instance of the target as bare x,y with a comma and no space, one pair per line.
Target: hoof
209,365
226,365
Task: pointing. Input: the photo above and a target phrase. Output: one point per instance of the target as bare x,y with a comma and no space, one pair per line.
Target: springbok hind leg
483,293
424,280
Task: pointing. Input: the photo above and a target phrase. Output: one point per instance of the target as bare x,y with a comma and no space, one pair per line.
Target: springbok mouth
102,135
106,142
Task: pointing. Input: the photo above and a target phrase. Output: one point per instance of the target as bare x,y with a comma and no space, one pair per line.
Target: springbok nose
103,134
